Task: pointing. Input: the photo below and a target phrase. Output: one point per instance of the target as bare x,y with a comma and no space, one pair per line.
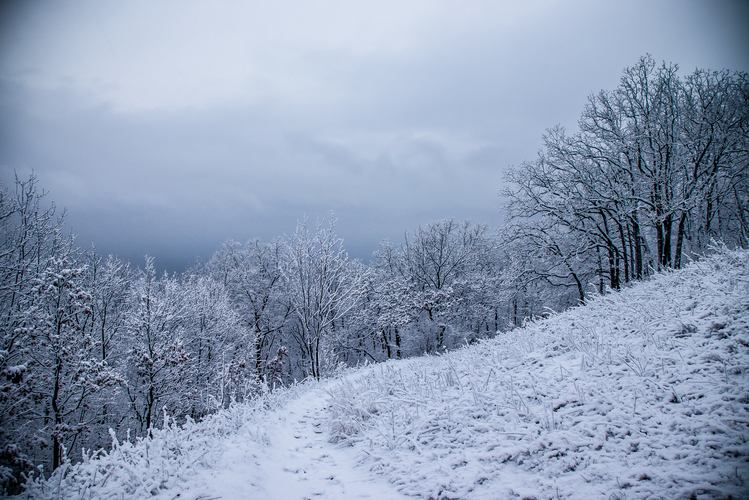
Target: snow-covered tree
658,168
323,288
64,371
219,349
156,364
431,283
256,283
30,238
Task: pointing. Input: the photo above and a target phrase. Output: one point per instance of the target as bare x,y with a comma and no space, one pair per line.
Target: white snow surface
639,394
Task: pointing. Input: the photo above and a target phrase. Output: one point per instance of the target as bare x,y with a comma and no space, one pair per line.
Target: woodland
93,346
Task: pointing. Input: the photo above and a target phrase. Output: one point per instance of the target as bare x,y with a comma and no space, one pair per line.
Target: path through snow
289,457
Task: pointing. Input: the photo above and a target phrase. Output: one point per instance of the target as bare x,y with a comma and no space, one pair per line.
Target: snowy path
294,461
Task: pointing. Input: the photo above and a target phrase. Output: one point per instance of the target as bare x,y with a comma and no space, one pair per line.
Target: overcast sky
166,128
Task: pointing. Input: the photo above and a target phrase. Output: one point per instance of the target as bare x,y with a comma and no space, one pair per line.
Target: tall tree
157,360
323,288
29,239
219,348
657,163
256,283
64,370
439,286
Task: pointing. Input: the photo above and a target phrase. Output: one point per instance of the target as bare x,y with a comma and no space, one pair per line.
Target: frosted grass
639,394
151,467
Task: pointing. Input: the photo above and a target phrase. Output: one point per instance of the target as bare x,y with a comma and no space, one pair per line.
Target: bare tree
439,286
49,358
63,368
219,348
257,287
323,288
29,236
157,357
657,163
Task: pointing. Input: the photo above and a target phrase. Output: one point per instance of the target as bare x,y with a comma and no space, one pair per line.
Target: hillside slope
639,394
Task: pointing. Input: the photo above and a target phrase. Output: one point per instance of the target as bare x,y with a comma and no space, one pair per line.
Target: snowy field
640,394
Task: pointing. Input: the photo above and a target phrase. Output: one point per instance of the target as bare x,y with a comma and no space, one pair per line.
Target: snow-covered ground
640,394
287,455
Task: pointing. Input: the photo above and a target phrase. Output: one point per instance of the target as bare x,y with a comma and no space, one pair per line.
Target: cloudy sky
166,127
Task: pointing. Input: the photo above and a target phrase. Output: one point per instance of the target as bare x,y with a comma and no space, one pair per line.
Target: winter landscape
446,368
638,394
424,250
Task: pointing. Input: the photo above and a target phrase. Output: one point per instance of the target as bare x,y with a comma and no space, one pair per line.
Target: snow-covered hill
639,394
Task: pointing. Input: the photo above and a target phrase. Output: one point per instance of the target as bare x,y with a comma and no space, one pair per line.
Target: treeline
657,171
92,343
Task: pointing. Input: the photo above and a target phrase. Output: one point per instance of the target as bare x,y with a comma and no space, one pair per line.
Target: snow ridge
639,394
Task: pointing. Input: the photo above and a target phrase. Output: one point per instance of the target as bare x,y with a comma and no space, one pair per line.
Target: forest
93,345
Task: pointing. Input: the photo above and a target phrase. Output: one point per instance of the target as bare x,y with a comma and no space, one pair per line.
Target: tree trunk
56,444
150,401
744,233
638,247
624,253
600,270
397,343
387,343
316,361
659,242
259,340
667,223
679,240
613,269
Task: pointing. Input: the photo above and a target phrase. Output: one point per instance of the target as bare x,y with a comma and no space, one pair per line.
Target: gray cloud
166,128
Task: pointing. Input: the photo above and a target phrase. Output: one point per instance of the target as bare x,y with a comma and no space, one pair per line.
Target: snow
291,459
639,394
